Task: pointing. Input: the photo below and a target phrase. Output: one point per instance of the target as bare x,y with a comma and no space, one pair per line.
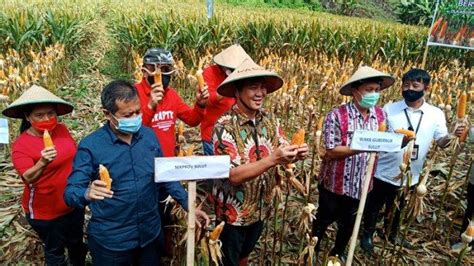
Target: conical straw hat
36,95
249,69
231,57
365,72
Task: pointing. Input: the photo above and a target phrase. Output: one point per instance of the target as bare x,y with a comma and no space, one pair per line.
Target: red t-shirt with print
43,199
163,119
214,76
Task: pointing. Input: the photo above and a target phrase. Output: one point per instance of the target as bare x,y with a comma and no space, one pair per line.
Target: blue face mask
129,125
369,100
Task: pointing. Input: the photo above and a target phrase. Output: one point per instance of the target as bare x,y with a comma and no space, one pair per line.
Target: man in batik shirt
256,145
343,170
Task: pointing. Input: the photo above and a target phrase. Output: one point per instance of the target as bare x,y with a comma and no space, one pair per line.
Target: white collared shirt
432,127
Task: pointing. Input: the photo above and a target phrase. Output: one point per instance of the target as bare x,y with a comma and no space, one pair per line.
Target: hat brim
272,83
17,111
387,81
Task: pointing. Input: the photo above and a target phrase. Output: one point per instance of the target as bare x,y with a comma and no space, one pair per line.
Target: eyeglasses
165,69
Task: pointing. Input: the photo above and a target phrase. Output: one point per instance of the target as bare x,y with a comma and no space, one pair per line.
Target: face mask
129,125
165,79
369,99
41,126
411,95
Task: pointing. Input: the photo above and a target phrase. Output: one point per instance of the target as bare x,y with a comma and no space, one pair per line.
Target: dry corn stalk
190,150
290,175
308,251
406,159
48,142
468,235
421,190
181,138
105,176
306,218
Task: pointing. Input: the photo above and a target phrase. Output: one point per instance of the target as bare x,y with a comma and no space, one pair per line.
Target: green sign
453,24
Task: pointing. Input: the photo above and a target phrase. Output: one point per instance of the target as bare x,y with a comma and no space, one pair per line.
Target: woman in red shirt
44,172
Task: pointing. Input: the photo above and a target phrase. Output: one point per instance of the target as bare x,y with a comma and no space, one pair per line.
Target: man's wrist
86,194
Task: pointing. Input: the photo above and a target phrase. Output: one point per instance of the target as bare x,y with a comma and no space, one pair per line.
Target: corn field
75,47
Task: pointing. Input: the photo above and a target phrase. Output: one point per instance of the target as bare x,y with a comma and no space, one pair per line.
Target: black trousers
239,241
335,208
147,255
61,233
470,207
382,193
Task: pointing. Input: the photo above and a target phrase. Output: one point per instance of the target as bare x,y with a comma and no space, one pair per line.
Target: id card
414,153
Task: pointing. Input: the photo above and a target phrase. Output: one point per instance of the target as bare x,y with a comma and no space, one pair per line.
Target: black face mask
411,95
165,79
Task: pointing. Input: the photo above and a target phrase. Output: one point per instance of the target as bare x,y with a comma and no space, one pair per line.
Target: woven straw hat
231,57
249,69
36,95
363,73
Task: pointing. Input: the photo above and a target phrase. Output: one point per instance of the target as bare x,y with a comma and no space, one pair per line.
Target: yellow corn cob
105,176
461,108
217,231
181,129
298,137
158,77
200,80
406,132
48,142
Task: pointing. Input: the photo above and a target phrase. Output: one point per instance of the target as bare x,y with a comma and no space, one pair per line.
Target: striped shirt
346,176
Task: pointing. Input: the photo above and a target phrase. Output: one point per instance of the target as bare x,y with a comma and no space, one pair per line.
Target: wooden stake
191,223
425,56
360,211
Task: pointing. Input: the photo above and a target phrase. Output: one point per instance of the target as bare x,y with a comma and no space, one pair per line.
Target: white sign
365,140
169,169
3,131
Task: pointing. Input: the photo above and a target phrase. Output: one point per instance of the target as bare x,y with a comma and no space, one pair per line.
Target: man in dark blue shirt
125,223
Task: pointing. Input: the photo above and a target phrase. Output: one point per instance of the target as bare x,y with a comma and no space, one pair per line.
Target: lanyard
409,122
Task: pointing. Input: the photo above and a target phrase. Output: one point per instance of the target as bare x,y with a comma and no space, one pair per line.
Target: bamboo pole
360,211
191,223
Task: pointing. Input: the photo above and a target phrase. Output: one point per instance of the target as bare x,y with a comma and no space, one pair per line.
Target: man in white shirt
429,123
